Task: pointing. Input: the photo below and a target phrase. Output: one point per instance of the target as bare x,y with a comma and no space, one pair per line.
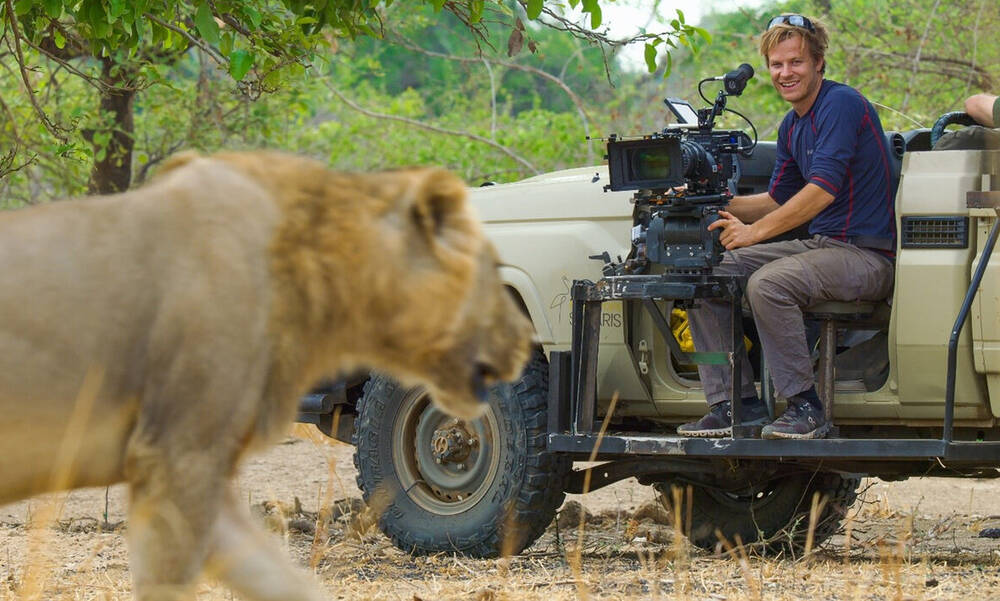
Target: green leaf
205,22
476,11
669,67
101,29
240,62
226,44
438,5
534,8
159,33
22,7
595,16
53,8
680,16
252,14
703,33
650,53
59,39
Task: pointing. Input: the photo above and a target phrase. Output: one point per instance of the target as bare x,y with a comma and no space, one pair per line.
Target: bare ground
917,539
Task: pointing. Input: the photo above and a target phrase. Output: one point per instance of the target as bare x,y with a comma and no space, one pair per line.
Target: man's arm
752,207
802,207
980,107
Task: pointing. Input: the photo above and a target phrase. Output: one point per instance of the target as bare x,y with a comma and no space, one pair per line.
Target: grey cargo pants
784,277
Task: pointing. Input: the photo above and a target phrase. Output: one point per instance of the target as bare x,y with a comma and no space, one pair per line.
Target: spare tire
772,517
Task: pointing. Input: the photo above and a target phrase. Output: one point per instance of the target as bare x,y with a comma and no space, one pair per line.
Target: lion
158,335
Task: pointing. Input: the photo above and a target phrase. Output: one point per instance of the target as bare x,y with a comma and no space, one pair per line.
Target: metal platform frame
573,379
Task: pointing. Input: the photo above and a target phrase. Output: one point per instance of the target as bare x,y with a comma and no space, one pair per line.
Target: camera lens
697,162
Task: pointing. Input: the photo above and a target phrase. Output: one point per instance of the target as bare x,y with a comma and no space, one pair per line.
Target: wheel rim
444,465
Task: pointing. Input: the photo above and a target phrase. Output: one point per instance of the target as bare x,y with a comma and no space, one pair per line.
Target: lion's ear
439,211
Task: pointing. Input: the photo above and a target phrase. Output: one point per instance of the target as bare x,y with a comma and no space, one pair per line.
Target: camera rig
682,176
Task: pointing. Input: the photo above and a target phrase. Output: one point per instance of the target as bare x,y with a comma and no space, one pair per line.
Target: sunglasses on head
794,21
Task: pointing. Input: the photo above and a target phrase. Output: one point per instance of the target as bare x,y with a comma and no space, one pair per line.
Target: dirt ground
917,539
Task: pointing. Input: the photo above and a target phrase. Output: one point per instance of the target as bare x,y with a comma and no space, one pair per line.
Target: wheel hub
452,444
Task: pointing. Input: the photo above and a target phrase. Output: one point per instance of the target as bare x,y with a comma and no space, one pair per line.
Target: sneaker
801,420
718,422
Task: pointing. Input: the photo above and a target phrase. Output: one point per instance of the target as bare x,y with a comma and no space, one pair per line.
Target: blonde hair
816,42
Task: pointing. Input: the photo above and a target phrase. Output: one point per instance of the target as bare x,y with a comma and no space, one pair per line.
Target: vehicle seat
831,315
895,146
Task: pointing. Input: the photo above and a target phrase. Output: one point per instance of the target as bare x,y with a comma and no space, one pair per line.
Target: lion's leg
242,555
175,502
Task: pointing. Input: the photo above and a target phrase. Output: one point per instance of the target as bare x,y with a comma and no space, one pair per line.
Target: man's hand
735,233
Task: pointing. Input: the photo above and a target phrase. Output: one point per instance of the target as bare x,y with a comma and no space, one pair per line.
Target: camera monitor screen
684,112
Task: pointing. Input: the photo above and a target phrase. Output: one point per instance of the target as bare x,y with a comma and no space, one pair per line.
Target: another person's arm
983,108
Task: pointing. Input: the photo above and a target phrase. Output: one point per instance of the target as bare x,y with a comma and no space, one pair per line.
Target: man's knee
777,282
760,289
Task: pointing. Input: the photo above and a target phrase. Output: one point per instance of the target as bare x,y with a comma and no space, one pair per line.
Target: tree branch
212,52
7,162
951,67
440,130
12,121
916,56
15,30
93,81
573,97
975,49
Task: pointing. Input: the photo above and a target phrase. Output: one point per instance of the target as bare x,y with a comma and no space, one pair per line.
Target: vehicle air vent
898,144
935,232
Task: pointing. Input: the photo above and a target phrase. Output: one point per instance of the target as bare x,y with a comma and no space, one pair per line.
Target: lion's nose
482,376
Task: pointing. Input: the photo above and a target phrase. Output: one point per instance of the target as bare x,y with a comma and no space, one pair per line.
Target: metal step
829,448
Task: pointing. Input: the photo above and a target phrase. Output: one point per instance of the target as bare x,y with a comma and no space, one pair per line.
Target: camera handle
706,117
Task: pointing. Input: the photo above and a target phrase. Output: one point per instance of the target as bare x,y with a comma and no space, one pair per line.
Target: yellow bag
682,331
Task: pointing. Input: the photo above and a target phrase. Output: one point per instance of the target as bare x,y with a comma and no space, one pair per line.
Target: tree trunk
112,170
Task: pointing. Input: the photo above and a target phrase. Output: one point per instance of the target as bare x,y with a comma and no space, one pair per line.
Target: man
832,169
985,109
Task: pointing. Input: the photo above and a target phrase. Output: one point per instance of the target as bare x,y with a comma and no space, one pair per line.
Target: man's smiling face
794,73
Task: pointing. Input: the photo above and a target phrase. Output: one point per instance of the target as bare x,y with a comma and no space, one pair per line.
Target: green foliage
915,58
126,51
471,99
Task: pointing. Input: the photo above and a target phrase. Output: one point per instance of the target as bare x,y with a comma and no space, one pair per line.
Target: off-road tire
510,508
774,520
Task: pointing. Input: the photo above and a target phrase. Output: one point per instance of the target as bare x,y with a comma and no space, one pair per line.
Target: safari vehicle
912,383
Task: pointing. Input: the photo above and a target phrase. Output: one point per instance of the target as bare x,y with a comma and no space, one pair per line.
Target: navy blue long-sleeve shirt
838,145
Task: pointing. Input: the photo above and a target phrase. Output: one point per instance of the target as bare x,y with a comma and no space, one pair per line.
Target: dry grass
886,552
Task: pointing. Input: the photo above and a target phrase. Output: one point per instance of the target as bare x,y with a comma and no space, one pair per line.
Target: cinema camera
682,176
